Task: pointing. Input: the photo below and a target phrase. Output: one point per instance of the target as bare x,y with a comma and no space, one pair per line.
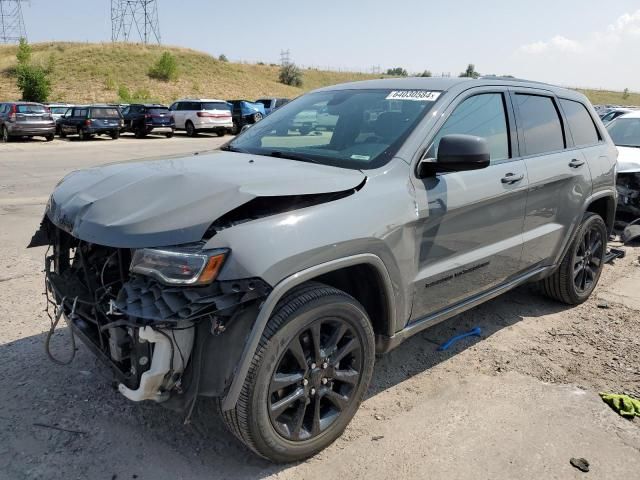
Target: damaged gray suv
269,274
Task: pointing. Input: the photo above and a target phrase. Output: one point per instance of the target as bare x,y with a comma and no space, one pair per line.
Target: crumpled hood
174,201
628,159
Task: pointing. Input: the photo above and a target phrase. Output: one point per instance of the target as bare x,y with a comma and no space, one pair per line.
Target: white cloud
629,23
557,44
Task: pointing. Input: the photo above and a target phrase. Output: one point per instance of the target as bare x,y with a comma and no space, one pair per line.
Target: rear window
157,111
540,124
59,110
31,109
105,113
215,106
580,123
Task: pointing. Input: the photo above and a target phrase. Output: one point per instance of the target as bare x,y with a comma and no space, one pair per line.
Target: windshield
59,110
215,106
357,129
625,132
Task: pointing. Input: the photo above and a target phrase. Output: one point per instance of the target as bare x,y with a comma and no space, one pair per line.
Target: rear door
559,177
178,114
33,114
469,228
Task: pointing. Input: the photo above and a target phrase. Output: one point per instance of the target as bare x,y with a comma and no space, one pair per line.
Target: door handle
575,163
510,178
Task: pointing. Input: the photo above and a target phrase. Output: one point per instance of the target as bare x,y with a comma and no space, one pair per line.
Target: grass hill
91,72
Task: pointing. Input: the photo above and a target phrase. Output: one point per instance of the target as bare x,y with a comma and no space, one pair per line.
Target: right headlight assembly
178,266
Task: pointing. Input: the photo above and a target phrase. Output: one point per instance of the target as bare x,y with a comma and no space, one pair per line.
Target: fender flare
284,286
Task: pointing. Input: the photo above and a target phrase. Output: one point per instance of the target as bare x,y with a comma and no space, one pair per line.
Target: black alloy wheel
588,259
315,379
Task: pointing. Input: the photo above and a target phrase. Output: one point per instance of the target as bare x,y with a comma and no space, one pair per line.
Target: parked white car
625,133
202,115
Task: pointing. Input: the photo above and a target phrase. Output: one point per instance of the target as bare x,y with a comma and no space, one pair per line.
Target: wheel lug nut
325,365
313,391
324,381
305,382
313,365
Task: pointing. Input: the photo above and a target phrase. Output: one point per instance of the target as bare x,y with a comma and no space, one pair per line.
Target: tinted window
80,112
625,132
215,106
184,106
265,102
483,116
31,109
580,123
540,124
157,110
282,101
59,110
105,113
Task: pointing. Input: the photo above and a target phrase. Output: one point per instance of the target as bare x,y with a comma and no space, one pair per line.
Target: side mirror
456,153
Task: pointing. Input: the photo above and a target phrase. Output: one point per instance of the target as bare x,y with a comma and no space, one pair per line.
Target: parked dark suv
143,119
269,274
89,120
26,119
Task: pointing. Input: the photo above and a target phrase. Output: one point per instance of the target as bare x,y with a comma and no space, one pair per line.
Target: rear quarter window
581,125
540,124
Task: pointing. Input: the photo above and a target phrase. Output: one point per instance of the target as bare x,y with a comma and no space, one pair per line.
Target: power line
135,19
12,27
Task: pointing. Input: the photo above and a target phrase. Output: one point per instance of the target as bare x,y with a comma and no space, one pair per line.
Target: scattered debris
603,305
580,463
376,438
44,425
475,332
614,253
624,405
377,416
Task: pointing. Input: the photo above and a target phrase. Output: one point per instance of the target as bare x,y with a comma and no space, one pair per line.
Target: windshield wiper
229,148
293,156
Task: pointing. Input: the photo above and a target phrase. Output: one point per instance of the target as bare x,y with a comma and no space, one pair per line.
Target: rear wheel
257,117
115,134
220,133
308,377
49,138
191,130
168,134
578,274
5,134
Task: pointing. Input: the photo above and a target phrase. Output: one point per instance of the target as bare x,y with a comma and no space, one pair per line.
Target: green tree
470,72
397,72
625,93
166,68
24,52
33,82
426,73
223,58
290,74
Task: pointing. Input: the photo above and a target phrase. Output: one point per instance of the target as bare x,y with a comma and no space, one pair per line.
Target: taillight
12,113
146,115
87,122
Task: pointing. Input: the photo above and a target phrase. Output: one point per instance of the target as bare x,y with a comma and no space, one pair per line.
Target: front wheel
308,377
191,130
82,135
115,134
257,117
49,138
576,278
169,134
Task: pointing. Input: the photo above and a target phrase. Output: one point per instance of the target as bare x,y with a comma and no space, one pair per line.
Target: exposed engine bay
155,337
628,186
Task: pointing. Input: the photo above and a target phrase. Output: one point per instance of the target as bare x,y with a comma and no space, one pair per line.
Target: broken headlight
178,266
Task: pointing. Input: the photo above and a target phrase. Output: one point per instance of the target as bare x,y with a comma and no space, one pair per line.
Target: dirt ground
518,402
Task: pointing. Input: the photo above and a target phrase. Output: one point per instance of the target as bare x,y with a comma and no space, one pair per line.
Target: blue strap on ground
471,333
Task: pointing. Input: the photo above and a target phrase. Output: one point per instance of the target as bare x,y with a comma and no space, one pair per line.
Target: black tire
328,309
62,133
5,135
168,134
82,135
115,134
191,130
49,138
140,132
577,276
305,130
256,117
220,133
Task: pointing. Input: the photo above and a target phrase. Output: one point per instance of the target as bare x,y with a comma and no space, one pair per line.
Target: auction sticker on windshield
415,95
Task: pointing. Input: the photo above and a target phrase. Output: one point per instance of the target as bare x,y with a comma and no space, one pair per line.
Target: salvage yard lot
517,403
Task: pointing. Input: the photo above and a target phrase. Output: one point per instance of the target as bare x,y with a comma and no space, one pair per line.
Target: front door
469,231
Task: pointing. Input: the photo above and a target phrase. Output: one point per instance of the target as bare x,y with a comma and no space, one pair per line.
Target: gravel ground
516,402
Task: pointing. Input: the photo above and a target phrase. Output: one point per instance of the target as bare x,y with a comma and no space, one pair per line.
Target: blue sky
570,42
